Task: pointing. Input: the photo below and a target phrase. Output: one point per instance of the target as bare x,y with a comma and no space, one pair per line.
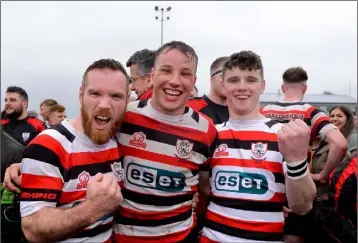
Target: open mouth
172,93
102,121
242,97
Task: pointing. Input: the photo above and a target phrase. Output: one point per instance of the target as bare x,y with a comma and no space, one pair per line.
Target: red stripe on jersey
316,124
274,167
267,227
87,158
53,145
197,104
6,121
277,197
126,212
161,158
212,132
248,135
36,123
204,239
70,197
187,132
169,238
310,110
296,112
347,172
163,196
41,181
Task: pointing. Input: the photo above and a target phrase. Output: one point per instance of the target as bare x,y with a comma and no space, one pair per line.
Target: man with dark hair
214,105
258,164
57,114
140,65
167,148
290,108
44,110
17,123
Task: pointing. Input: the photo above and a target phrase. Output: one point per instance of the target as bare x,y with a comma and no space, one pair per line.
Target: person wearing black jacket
11,152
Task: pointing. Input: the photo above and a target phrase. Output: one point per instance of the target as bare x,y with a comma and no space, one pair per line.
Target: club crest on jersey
25,136
117,170
221,151
83,180
184,148
258,150
138,140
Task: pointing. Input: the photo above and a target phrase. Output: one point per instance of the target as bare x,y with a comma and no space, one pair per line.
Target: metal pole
161,35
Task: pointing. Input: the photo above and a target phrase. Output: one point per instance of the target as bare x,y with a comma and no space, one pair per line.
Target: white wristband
297,170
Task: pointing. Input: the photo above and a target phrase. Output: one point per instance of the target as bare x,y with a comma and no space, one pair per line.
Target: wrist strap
297,170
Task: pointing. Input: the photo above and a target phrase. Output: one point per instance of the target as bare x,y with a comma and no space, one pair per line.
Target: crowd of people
174,167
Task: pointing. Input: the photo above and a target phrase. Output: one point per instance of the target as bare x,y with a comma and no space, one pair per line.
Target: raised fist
293,140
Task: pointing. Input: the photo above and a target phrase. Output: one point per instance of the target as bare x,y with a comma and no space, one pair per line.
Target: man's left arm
293,142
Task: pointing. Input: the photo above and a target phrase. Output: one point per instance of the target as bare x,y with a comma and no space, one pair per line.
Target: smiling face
243,89
103,100
338,118
173,79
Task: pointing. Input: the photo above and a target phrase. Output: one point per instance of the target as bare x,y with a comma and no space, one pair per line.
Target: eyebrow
252,77
120,94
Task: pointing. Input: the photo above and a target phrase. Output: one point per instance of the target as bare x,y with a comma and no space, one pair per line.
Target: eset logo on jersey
149,177
241,182
138,140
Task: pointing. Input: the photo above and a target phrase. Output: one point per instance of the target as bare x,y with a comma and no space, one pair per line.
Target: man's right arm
42,174
321,126
337,150
53,224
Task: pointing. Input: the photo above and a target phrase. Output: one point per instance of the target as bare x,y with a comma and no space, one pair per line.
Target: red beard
100,136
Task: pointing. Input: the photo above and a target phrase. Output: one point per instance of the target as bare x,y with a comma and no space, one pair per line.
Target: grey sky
46,46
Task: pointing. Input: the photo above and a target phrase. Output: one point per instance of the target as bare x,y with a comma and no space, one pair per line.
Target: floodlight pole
162,19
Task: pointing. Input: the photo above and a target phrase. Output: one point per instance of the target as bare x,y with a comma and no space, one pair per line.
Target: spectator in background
140,65
44,109
291,107
343,118
18,123
33,114
194,93
57,114
214,105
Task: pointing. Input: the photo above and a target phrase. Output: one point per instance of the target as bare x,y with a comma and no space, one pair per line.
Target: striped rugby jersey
315,118
162,157
56,168
247,184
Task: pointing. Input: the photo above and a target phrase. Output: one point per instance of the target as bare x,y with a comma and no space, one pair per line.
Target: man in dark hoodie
11,152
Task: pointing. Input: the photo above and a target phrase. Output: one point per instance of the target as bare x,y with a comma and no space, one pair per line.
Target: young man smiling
166,147
249,183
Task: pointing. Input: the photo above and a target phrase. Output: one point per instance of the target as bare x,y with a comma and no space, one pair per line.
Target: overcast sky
46,46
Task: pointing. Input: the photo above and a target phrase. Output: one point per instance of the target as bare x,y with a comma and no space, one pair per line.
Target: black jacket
11,152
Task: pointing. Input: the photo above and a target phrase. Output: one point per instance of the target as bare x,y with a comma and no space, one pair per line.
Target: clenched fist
293,140
103,194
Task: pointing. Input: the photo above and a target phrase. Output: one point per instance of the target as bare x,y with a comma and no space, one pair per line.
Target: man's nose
104,103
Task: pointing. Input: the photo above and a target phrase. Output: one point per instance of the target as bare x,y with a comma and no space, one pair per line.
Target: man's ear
263,86
25,104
